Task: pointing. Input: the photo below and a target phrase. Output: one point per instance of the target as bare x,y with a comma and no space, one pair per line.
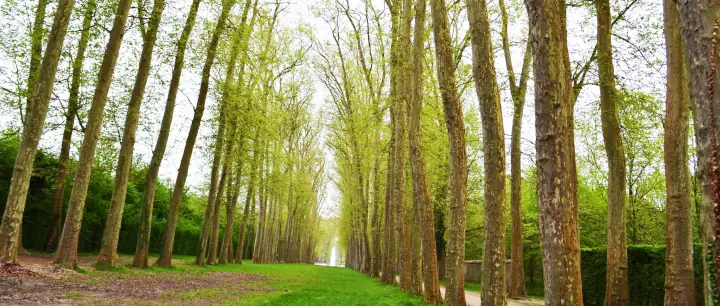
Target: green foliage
36,221
646,274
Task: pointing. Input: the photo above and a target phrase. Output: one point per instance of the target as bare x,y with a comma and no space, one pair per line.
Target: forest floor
38,282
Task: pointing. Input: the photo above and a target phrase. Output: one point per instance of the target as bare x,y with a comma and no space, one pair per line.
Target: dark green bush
36,219
646,274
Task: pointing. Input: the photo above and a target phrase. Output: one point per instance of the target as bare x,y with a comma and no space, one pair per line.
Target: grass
284,284
302,284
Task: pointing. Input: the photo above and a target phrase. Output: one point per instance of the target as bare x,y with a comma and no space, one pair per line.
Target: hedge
646,273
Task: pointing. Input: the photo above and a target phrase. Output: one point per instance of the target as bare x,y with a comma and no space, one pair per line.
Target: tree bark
66,255
142,246
518,89
108,250
227,244
421,188
250,197
165,258
36,39
22,170
400,102
698,22
679,278
454,260
493,264
555,149
617,291
58,196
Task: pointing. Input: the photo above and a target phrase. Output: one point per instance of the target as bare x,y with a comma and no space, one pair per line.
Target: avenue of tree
419,156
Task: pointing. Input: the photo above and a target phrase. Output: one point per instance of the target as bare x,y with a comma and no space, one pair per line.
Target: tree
165,258
679,280
36,39
493,265
22,171
66,255
143,239
697,21
424,220
108,251
518,88
555,150
617,291
454,266
73,104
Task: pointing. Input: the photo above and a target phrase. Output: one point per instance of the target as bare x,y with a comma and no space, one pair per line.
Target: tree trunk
555,149
227,244
22,170
215,221
679,278
493,264
108,250
58,196
66,254
165,258
143,240
376,215
389,260
36,39
249,197
454,260
698,22
617,291
401,100
518,89
421,188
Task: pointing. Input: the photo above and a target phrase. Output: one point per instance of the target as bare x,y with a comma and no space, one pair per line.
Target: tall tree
493,264
617,291
421,190
36,39
239,38
454,265
250,196
555,149
143,240
23,168
165,258
518,89
58,195
108,250
679,280
66,254
698,21
400,102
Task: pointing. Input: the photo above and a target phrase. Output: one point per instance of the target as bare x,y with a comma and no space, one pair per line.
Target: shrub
646,274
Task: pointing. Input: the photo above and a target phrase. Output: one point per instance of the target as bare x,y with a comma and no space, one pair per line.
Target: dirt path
473,298
37,282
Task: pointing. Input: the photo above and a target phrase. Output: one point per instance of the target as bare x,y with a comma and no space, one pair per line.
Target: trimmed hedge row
646,273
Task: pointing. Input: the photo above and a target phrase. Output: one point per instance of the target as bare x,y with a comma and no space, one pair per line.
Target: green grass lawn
284,284
302,284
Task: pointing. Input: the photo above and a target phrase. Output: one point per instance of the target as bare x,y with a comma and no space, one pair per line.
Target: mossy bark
66,255
555,151
142,246
454,260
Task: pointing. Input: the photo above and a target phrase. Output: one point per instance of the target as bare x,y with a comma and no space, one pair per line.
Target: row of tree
398,234
265,141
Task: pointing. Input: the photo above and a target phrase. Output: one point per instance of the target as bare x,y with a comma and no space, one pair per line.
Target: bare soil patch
37,282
